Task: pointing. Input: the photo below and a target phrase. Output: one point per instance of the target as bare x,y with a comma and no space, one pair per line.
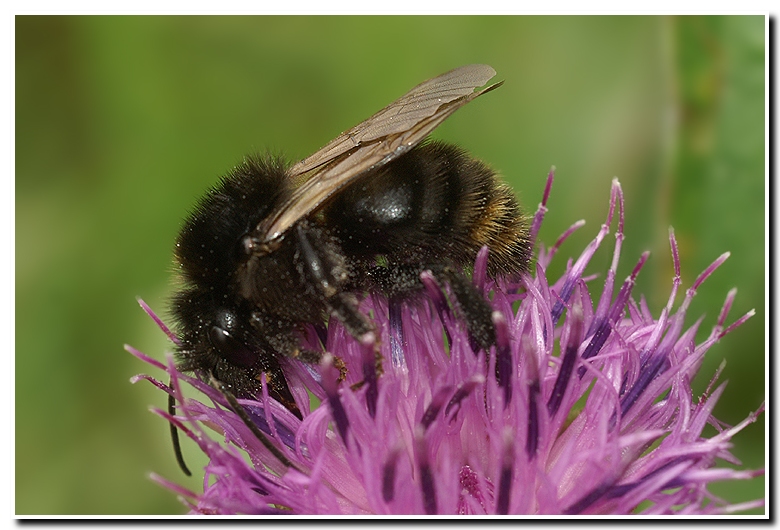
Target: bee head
217,339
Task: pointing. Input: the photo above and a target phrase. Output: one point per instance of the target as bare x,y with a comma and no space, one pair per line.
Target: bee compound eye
231,349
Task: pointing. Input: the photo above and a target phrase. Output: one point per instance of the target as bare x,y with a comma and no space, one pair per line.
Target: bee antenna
175,436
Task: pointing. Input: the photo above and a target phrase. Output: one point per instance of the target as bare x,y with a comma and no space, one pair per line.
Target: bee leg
400,281
476,311
308,356
345,308
280,391
324,266
358,325
242,414
315,357
326,270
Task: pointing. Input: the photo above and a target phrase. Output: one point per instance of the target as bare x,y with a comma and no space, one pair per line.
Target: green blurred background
122,122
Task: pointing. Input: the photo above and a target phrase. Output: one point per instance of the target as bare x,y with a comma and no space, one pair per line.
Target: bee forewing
384,136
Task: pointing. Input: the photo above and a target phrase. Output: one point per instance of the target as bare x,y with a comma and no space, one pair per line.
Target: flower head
583,407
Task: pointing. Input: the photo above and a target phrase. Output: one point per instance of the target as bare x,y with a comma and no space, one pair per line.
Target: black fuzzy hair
207,248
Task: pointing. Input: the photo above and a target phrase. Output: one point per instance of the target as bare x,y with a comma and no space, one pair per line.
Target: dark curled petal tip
427,483
504,489
434,292
388,475
368,343
563,297
433,409
428,489
474,344
503,337
655,366
594,495
330,376
541,210
279,430
504,368
463,390
439,300
532,439
569,360
322,334
506,475
602,328
623,489
612,421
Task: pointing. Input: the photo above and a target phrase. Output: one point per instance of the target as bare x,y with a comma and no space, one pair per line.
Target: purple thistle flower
582,407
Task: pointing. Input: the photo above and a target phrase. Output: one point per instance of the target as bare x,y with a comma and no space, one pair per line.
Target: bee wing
381,138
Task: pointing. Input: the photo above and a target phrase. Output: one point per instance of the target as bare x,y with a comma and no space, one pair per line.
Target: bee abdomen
485,213
435,204
501,226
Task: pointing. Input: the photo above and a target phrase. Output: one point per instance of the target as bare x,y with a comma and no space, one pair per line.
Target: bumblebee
273,248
